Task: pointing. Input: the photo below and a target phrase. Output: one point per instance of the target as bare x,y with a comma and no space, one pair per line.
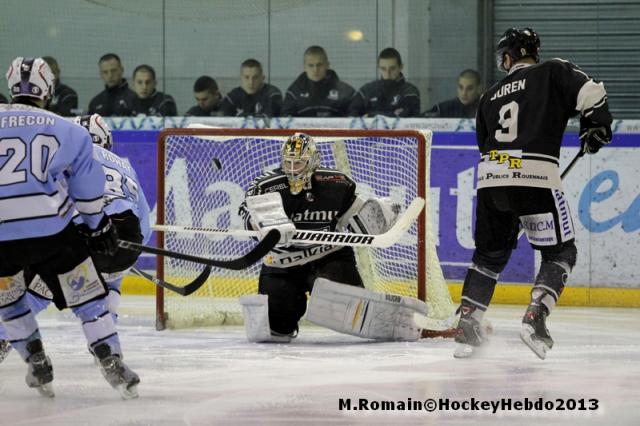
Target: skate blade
463,350
46,390
528,337
127,392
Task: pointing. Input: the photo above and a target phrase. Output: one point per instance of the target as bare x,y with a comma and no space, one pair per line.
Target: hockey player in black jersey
303,195
519,126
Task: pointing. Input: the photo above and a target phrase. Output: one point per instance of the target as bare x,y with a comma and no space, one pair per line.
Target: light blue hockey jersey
36,149
122,190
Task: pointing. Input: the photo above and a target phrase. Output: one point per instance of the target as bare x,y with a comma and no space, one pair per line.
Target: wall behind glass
437,39
185,39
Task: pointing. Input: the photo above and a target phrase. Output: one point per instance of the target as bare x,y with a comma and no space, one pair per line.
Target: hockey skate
117,373
470,335
534,331
40,372
5,348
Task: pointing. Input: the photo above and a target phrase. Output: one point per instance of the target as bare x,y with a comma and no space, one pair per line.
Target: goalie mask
30,77
518,43
97,128
300,158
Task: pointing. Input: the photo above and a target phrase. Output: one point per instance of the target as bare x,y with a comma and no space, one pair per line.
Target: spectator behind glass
391,95
208,97
317,92
113,100
64,101
254,97
147,100
466,104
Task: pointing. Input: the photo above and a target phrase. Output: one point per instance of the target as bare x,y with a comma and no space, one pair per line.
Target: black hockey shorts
127,225
47,257
543,213
287,287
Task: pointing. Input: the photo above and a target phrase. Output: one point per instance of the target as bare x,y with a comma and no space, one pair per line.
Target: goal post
203,174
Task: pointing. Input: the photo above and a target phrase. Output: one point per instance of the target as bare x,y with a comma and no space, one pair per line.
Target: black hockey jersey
329,97
64,101
393,98
158,104
267,101
521,121
112,101
319,209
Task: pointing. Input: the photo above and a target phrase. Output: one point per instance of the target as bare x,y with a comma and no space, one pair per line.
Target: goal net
203,174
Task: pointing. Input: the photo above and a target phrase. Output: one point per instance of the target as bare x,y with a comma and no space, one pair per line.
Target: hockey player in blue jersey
126,206
47,170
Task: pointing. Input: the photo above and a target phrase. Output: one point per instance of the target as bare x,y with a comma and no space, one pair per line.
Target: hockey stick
185,290
258,252
384,240
565,172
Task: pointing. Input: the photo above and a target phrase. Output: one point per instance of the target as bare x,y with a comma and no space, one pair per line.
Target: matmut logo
314,216
502,157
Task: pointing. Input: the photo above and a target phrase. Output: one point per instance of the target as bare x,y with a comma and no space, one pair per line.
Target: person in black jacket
391,95
208,98
3,100
317,92
254,97
64,101
466,104
146,100
116,93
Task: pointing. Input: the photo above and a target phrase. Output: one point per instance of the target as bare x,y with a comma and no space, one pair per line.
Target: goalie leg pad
364,313
255,310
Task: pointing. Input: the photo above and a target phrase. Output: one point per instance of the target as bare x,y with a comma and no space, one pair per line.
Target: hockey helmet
97,128
30,77
518,43
300,158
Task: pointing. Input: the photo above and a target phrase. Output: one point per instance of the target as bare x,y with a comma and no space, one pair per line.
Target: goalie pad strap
364,313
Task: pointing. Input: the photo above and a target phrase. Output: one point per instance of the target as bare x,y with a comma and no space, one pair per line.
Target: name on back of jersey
26,120
509,88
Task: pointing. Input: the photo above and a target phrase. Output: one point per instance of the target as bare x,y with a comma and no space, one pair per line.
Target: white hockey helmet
30,77
97,128
300,159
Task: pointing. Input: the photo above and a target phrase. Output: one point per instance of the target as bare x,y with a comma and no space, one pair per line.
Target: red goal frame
231,132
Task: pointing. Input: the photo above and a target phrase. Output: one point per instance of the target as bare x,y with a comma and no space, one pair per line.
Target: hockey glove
593,136
103,239
267,213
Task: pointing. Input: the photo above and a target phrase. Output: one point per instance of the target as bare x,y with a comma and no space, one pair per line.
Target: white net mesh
206,174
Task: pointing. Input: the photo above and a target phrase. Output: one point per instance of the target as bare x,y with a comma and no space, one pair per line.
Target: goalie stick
258,252
184,290
384,240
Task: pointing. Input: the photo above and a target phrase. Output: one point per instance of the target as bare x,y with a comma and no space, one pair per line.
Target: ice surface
213,376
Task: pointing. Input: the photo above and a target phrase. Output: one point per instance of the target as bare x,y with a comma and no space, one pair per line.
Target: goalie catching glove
593,136
267,213
373,216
